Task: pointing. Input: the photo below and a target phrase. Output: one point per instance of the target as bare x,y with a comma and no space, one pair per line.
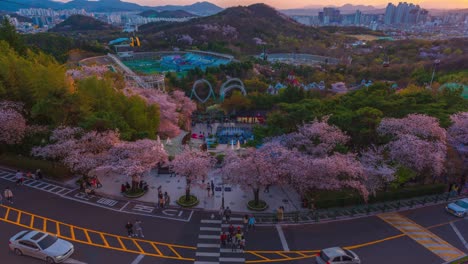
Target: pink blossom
88,71
12,123
423,126
458,132
378,172
187,39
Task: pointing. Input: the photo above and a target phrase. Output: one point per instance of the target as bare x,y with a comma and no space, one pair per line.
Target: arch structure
194,91
234,83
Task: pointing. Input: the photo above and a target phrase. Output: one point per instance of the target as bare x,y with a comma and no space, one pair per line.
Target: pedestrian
227,214
167,199
246,222
29,175
251,222
161,202
242,244
234,245
221,213
19,177
160,198
239,235
138,229
98,182
229,238
212,188
129,228
267,189
8,194
208,188
280,214
123,188
223,238
39,174
231,229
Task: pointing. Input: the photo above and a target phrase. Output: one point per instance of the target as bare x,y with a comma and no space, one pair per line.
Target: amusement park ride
230,84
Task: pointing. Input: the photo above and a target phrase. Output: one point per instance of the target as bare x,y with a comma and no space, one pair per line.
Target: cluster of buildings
399,19
43,19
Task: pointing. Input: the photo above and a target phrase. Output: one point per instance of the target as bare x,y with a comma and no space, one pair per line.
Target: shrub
49,169
193,201
261,206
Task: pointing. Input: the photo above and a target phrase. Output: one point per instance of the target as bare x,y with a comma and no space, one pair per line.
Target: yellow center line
57,224
18,219
104,240
138,246
156,248
87,236
72,232
258,255
175,252
7,214
121,243
283,255
32,221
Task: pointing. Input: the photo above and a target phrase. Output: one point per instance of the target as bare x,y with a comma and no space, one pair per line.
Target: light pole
436,62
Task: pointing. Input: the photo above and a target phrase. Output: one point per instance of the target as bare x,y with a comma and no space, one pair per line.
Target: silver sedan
41,245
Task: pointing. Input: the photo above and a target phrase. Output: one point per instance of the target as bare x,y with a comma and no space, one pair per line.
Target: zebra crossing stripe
423,236
207,221
208,237
202,245
218,229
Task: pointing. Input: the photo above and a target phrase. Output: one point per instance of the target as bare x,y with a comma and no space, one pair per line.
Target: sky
282,4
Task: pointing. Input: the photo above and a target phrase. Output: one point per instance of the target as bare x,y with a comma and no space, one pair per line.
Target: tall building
357,17
390,14
400,13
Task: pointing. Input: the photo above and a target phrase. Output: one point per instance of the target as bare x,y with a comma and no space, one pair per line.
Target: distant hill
167,14
81,23
199,8
345,9
18,17
237,29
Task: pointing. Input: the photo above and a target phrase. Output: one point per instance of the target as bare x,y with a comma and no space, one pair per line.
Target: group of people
134,229
88,184
142,185
163,199
234,238
8,194
20,176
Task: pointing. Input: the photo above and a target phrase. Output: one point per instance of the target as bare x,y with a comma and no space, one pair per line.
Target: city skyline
306,3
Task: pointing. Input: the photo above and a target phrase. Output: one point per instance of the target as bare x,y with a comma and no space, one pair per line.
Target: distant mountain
237,29
199,8
167,14
77,23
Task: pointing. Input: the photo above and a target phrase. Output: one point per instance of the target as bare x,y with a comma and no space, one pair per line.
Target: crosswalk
209,250
423,236
37,184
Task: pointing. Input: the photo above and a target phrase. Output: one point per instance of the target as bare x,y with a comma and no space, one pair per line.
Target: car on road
458,208
337,255
41,245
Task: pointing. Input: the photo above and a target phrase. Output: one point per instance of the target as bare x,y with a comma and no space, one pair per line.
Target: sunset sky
282,4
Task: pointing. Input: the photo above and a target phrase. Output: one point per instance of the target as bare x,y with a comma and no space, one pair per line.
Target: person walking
234,245
221,213
19,178
246,222
129,227
138,229
8,194
251,222
280,214
242,244
167,199
223,238
212,188
227,214
208,188
39,174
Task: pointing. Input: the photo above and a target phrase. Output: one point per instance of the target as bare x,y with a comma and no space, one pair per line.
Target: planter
262,206
134,194
193,201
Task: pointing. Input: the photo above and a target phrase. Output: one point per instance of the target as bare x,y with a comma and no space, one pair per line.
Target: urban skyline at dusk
305,3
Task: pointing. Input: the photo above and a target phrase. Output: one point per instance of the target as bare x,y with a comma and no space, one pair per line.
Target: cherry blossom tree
12,123
133,158
257,168
379,173
458,131
87,71
422,126
317,139
419,143
81,152
194,165
185,107
333,172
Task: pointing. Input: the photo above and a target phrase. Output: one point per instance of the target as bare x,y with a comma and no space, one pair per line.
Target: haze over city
306,3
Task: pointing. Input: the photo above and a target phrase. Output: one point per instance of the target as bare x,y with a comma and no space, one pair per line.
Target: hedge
328,199
49,169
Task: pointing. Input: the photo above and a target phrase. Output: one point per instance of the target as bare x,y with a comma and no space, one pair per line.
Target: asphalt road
371,236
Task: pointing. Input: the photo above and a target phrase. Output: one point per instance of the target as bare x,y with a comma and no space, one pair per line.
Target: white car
458,208
337,255
41,245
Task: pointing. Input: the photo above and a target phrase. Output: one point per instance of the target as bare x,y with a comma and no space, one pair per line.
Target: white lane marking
138,259
202,245
462,239
206,262
228,250
206,221
282,238
232,259
73,261
218,229
123,207
207,254
208,237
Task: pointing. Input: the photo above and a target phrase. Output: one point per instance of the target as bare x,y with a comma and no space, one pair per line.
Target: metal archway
194,92
226,87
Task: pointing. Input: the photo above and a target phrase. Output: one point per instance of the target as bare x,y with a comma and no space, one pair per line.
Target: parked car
337,255
41,245
458,208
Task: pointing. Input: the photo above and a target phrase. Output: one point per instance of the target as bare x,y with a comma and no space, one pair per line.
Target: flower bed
193,201
261,206
130,193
